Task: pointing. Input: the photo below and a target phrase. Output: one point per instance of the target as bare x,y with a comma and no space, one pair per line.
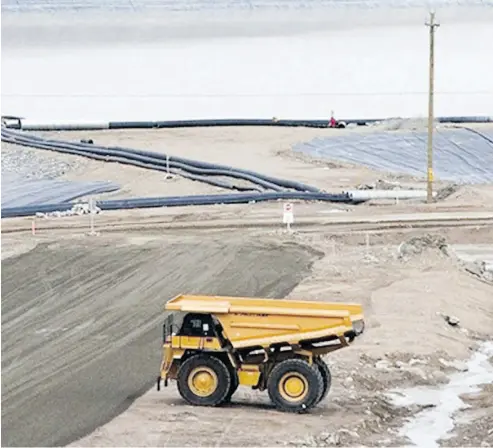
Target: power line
233,95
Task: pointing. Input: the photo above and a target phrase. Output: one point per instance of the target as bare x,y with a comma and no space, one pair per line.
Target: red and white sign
288,215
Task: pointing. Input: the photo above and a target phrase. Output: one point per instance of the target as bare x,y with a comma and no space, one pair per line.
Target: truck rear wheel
294,385
326,376
204,380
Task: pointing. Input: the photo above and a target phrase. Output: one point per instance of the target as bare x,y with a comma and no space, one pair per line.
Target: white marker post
33,227
91,216
288,215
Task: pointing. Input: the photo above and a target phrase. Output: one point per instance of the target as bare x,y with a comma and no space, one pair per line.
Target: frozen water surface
242,59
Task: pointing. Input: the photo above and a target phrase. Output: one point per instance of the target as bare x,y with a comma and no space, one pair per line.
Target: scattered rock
455,364
34,164
347,432
77,209
342,437
348,382
451,320
383,364
417,371
479,269
417,245
444,193
415,361
380,184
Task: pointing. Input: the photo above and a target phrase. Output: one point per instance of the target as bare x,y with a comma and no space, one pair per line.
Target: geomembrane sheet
459,155
18,191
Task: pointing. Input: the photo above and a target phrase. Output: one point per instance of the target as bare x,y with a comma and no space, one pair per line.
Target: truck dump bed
249,322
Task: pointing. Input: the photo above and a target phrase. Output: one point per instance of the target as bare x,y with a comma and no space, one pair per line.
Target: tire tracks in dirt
81,321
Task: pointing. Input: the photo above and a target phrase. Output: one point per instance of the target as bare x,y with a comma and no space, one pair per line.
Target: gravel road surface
81,321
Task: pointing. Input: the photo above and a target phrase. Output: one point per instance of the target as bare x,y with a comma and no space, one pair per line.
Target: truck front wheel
295,386
204,380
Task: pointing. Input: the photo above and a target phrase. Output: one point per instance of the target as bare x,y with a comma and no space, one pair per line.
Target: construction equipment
214,344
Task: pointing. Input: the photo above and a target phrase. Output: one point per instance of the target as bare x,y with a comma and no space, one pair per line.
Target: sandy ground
402,298
91,305
266,150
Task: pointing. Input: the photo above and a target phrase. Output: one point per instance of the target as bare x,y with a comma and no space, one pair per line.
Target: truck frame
213,344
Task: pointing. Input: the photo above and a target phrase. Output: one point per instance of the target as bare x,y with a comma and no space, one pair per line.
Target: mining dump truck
212,345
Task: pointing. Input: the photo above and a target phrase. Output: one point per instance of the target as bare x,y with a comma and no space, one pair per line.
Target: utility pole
432,25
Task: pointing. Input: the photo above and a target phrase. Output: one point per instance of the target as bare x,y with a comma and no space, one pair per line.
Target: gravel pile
32,177
36,164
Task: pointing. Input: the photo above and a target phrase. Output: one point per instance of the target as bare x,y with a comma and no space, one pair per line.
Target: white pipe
387,194
66,126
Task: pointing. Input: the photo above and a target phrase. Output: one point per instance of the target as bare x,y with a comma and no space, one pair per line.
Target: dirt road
81,321
407,343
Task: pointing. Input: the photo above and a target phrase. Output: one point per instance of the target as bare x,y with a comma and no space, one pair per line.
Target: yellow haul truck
212,345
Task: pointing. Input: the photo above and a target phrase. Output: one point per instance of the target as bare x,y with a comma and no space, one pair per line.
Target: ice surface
359,63
18,191
459,155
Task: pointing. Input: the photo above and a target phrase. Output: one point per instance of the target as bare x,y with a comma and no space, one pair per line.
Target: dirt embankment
81,320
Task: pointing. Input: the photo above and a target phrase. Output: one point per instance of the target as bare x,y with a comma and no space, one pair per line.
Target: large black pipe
128,158
193,166
156,161
16,123
179,201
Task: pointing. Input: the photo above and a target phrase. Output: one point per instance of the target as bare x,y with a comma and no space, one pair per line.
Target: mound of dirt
81,321
419,244
413,124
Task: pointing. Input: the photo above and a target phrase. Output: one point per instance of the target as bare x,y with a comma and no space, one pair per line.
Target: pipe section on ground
19,123
365,195
180,201
152,160
195,170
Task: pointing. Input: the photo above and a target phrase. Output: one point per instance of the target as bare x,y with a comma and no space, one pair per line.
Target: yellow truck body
213,344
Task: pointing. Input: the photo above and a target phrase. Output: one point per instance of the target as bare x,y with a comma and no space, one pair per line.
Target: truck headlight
359,326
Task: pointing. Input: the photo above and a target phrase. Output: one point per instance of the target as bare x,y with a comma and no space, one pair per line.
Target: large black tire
204,380
235,382
295,386
326,376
